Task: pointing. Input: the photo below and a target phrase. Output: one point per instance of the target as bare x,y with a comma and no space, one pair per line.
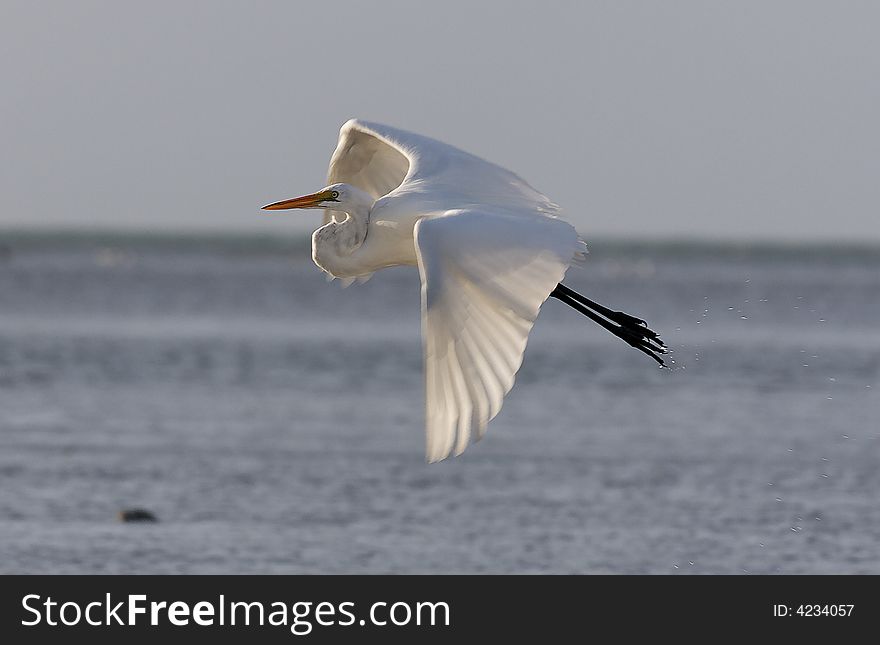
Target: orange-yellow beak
315,200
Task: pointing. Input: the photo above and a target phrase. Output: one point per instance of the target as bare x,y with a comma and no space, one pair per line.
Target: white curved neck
336,241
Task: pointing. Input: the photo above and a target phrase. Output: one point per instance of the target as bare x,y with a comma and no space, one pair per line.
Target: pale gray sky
698,119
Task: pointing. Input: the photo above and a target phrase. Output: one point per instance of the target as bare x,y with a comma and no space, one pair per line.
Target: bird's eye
334,194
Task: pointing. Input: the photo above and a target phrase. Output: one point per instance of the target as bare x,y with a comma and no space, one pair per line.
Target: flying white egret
490,250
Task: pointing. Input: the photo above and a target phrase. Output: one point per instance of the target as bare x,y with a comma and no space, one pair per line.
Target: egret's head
334,197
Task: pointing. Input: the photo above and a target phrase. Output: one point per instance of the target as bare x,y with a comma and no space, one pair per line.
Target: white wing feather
366,160
484,277
380,159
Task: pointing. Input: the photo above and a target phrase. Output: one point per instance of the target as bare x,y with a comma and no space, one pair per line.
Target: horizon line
232,235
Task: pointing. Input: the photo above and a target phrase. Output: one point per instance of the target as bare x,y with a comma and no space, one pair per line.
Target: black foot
633,330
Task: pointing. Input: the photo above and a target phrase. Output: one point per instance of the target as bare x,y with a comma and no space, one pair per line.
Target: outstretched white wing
366,159
484,277
379,159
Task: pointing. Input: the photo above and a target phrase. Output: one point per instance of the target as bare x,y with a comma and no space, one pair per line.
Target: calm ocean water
274,422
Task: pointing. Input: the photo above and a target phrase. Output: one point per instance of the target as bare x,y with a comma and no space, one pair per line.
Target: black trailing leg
631,329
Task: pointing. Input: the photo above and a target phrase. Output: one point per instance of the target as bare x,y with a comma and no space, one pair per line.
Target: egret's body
490,250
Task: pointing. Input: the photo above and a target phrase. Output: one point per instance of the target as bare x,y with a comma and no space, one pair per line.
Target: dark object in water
136,515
